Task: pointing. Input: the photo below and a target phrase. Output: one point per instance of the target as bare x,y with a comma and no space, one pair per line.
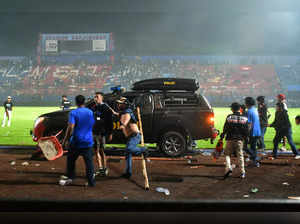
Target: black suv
173,115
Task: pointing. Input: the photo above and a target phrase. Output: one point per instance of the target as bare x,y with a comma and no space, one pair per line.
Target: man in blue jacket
80,126
255,131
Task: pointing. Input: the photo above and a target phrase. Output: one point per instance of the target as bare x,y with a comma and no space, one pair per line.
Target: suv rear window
181,100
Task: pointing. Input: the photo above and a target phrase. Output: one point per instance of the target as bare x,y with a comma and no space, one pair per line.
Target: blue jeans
252,151
132,148
278,136
87,154
261,142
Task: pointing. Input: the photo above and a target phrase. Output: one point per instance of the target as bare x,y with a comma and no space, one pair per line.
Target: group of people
90,126
247,126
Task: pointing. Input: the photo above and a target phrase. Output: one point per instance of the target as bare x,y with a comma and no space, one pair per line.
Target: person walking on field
282,127
281,98
264,115
80,126
255,132
235,129
8,105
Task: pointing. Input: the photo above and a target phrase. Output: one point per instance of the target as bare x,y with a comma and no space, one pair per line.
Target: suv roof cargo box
167,84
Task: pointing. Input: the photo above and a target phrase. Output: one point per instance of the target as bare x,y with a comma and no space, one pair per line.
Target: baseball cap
9,97
122,100
281,96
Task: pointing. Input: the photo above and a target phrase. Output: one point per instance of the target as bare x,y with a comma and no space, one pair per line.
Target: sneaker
102,172
243,176
297,157
63,177
65,182
257,164
283,149
228,174
126,175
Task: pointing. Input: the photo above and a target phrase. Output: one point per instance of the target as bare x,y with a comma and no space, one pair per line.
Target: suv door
147,109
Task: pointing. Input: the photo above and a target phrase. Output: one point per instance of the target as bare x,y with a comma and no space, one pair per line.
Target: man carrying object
128,125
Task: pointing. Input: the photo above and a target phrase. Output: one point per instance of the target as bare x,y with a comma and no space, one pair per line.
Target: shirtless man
128,125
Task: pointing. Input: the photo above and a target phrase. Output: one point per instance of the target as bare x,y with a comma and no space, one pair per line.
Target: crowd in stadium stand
222,80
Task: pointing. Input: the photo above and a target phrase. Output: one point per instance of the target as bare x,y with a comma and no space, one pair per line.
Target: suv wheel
173,143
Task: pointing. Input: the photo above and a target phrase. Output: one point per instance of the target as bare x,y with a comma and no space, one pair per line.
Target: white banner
51,46
99,45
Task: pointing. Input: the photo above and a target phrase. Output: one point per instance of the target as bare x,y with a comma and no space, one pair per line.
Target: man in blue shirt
80,126
255,131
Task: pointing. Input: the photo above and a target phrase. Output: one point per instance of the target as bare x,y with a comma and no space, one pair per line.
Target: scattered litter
37,164
195,167
125,198
289,174
52,168
25,164
13,163
254,190
246,196
271,158
237,191
233,166
295,198
163,190
206,153
285,183
189,161
63,177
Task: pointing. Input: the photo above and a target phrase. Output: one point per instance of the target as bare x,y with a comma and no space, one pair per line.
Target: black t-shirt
235,127
66,104
103,118
8,105
263,116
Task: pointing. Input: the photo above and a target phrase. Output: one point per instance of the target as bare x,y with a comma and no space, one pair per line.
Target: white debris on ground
25,163
12,163
163,190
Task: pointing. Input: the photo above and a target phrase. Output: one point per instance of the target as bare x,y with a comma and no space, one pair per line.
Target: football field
23,120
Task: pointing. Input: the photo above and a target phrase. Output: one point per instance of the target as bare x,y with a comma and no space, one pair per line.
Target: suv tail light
211,119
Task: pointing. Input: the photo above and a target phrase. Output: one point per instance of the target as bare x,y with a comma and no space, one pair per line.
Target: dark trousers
261,142
278,136
252,150
132,148
87,154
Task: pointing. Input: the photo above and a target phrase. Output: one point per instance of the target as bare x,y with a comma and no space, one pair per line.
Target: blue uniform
253,118
255,132
83,119
81,142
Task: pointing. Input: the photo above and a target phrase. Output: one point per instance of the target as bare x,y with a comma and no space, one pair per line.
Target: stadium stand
222,79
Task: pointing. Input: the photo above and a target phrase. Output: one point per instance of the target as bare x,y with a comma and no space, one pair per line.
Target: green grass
23,119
